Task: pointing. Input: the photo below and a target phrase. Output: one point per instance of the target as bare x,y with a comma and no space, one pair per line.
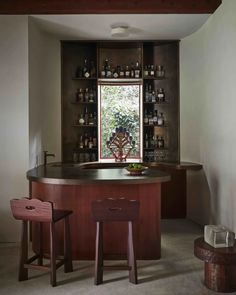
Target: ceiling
141,26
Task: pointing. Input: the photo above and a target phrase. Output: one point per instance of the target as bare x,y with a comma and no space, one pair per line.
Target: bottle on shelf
149,93
152,72
103,72
80,95
127,72
91,95
146,93
160,72
86,95
153,96
146,141
94,139
145,117
160,142
86,116
145,71
150,119
86,140
81,142
160,120
90,143
116,73
91,120
155,117
94,118
122,72
81,119
86,72
137,70
161,95
132,72
108,72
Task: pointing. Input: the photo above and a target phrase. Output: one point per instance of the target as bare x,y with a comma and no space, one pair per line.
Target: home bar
119,116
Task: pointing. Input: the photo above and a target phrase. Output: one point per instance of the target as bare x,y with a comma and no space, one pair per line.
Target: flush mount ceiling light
120,31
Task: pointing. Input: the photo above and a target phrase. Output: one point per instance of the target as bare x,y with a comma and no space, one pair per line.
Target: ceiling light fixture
120,31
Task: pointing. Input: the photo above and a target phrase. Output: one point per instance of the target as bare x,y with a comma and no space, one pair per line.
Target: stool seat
34,210
115,210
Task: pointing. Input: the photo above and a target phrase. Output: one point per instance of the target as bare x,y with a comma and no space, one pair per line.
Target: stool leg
131,255
68,267
40,259
99,254
23,272
52,255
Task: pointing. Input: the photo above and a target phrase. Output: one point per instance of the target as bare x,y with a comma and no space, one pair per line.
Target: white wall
208,116
14,119
44,94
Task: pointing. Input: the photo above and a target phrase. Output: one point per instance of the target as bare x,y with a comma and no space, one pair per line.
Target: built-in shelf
84,125
84,102
83,78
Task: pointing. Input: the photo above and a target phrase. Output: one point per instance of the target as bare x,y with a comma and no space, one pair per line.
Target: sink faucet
45,156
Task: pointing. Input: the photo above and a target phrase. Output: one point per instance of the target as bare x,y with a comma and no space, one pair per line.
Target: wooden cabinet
160,141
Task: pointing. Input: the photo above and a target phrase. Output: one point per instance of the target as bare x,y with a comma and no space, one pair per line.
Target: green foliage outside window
120,107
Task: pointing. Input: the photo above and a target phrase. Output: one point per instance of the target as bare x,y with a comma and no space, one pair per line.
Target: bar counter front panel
74,188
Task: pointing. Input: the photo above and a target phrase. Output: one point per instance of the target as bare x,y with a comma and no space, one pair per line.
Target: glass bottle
150,93
91,95
145,117
122,73
91,121
94,139
145,72
86,95
153,96
152,72
160,72
116,74
161,95
146,93
103,72
146,141
150,119
127,72
160,120
81,119
90,143
92,70
108,72
86,72
137,70
132,71
80,95
86,116
155,117
86,140
94,118
81,142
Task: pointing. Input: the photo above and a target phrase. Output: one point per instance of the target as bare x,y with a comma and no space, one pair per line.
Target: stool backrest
115,209
32,209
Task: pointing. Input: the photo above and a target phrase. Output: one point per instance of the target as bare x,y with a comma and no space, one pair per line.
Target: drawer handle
30,207
115,209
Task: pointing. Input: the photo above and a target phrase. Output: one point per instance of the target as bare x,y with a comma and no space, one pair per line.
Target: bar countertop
95,173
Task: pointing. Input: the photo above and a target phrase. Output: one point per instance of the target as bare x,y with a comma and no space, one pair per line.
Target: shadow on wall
199,207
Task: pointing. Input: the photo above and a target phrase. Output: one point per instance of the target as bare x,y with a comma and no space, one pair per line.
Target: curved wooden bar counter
74,187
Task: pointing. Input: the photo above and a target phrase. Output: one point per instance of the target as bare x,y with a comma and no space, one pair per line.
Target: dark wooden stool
110,210
37,211
220,266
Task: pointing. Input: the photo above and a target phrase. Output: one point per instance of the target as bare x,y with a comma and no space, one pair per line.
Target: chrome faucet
45,156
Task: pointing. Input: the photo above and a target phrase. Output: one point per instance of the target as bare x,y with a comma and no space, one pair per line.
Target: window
120,106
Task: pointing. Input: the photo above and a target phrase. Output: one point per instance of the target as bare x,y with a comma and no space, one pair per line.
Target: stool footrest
116,267
38,267
31,259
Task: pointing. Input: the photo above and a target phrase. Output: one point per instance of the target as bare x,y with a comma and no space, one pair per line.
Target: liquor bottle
153,96
145,117
146,93
91,95
81,142
152,141
92,69
86,140
103,72
91,121
81,119
152,72
160,72
86,72
161,95
132,71
108,72
86,116
80,95
137,70
145,72
90,143
146,141
150,93
160,120
127,72
122,73
155,118
116,73
94,118
150,119
94,139
86,95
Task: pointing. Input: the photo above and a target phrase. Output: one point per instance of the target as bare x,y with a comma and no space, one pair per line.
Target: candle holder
121,144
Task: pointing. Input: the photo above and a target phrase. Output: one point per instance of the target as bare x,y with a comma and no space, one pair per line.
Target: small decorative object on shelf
218,236
160,72
136,169
121,144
